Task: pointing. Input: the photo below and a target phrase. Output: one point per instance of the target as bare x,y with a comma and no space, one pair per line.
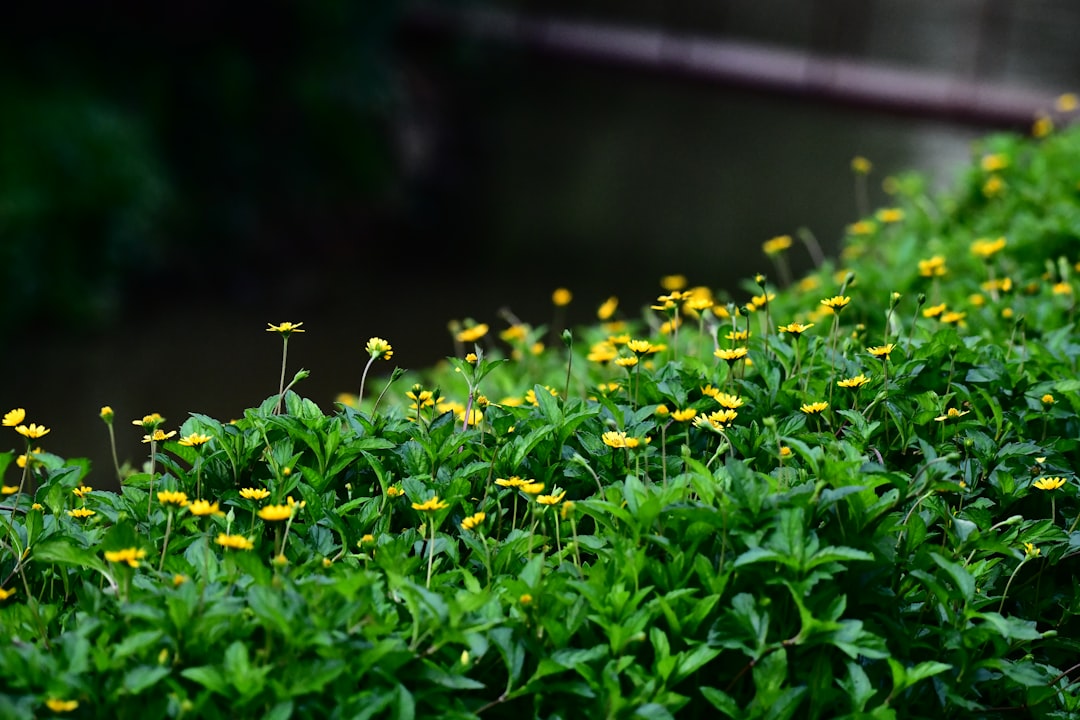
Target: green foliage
874,517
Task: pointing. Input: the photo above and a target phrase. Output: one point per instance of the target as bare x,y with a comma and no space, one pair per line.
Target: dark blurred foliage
146,147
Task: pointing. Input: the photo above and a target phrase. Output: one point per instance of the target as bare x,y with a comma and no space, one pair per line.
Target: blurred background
174,176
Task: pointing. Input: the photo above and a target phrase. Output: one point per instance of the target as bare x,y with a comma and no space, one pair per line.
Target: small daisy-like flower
130,555
472,334
561,297
158,435
639,347
551,499
394,491
15,417
951,414
933,266
81,513
732,354
204,507
994,162
860,165
662,410
776,245
731,402
421,398
234,542
171,497
627,362
614,438
250,493
738,335
377,347
82,491
760,301
5,594
607,308
473,521
8,489
431,505
1030,550
986,249
602,352
1062,288
285,329
710,391
525,599
836,303
275,513
1049,483
107,414
61,706
1047,399
194,440
673,283
953,317
1067,102
853,382
716,420
861,228
785,451
933,311
881,351
532,488
33,431
684,415
814,407
795,328
886,216
511,482
471,358
149,422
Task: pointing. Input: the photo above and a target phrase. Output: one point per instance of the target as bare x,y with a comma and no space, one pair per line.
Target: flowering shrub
848,495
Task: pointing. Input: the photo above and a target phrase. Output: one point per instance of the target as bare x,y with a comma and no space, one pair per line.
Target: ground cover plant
850,494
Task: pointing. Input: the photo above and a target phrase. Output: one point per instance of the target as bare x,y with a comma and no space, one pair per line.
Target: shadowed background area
174,177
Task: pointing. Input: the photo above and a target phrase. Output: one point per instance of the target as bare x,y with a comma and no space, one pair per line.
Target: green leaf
142,677
208,676
961,578
721,701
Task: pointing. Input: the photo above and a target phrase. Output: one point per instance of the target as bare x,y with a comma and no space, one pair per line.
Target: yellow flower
796,328
1062,288
204,507
293,503
1042,126
1067,102
561,297
5,594
932,267
82,491
511,482
473,521
158,436
285,329
551,499
785,451
731,355
532,488
131,556
987,248
854,382
760,301
627,362
684,415
107,414
376,346
170,497
179,579
430,505
889,215
34,431
525,599
994,162
61,706
776,245
393,491
933,311
860,228
602,352
194,440
8,489
234,542
149,422
738,335
607,308
367,539
951,414
567,508
673,283
1047,399
81,513
1049,483
472,334
471,358
814,407
1030,550
731,402
993,186
274,513
953,317
717,420
639,347
881,351
14,417
836,303
662,410
250,493
614,438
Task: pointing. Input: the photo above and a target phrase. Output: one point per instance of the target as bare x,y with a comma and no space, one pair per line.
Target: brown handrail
752,66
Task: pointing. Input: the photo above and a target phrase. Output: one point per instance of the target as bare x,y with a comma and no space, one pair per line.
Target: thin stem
281,383
363,379
431,554
165,544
